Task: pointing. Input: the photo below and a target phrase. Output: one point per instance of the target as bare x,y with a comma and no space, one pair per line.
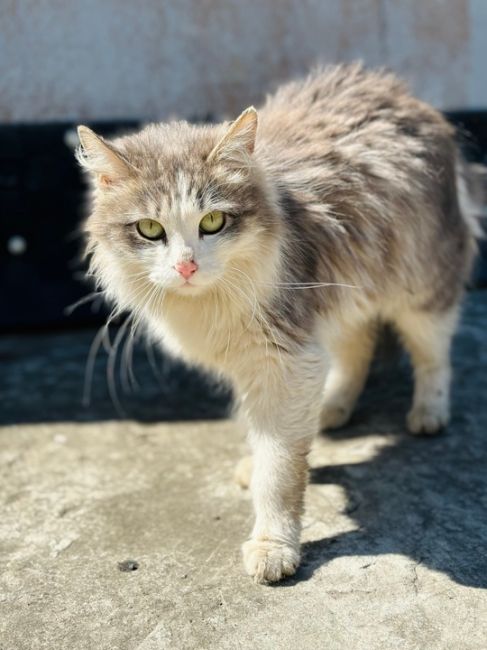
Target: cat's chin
189,289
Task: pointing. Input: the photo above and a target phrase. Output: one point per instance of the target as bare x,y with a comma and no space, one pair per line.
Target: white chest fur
211,334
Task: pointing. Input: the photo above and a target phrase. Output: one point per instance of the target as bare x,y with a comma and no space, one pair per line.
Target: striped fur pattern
347,205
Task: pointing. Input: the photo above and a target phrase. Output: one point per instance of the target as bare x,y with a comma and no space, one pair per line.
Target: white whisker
82,301
92,354
111,365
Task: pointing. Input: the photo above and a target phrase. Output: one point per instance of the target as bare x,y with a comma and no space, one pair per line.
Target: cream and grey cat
270,249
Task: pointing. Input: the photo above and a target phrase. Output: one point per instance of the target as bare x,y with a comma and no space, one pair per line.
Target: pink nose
186,269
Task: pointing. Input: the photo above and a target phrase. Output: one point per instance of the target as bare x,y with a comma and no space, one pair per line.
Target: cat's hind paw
427,419
333,417
243,472
269,561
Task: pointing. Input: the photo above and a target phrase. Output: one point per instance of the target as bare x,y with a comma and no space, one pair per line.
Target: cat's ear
108,165
239,141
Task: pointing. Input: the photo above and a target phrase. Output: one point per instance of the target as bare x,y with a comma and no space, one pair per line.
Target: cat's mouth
189,287
196,284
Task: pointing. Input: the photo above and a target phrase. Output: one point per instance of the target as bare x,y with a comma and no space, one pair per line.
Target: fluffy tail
472,195
472,198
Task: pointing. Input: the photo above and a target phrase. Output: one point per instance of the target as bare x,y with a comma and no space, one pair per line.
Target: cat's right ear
237,145
97,156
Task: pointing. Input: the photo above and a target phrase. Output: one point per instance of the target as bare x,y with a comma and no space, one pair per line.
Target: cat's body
342,212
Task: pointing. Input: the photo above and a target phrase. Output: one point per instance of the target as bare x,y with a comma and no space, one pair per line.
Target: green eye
150,229
212,222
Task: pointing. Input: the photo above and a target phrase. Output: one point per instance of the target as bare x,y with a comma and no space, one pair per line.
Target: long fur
349,206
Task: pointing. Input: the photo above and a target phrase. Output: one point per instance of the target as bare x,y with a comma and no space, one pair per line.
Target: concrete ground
122,532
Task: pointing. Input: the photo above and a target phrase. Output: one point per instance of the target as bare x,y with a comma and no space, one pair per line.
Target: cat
269,251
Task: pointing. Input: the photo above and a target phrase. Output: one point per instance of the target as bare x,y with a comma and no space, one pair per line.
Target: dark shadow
423,497
42,379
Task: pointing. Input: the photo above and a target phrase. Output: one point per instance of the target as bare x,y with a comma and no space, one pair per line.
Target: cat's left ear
99,157
238,143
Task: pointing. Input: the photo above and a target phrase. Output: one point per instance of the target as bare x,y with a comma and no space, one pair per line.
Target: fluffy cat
269,250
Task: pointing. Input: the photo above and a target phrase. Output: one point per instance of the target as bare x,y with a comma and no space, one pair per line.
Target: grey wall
95,59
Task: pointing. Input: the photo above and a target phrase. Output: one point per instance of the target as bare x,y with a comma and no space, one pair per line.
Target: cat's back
361,163
346,105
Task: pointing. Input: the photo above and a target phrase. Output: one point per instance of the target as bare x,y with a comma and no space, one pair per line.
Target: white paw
268,561
427,418
334,416
243,472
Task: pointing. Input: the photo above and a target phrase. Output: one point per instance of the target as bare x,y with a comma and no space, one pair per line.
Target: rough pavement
395,529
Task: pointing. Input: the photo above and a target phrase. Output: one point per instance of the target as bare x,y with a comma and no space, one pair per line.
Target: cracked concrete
395,532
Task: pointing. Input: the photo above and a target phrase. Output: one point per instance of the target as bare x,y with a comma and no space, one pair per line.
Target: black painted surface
42,201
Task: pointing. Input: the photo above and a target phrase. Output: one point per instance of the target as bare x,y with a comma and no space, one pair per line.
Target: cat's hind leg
427,337
350,349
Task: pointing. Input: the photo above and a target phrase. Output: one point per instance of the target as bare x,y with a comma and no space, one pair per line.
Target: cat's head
176,208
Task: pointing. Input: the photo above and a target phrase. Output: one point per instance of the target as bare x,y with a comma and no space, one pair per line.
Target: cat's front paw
269,561
427,419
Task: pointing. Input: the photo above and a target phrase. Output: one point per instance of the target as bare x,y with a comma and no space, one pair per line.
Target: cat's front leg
278,483
282,408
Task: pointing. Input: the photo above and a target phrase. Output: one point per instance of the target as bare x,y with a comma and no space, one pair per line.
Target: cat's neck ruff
211,328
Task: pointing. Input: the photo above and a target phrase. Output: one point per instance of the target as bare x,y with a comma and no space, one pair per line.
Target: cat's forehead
175,174
172,149
185,188
182,193
175,155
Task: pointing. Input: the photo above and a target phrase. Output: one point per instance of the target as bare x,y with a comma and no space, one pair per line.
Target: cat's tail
472,196
471,181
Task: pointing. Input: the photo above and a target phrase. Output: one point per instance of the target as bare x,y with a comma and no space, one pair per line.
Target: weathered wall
120,58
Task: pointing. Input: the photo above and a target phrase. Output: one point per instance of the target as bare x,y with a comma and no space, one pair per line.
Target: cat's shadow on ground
424,497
